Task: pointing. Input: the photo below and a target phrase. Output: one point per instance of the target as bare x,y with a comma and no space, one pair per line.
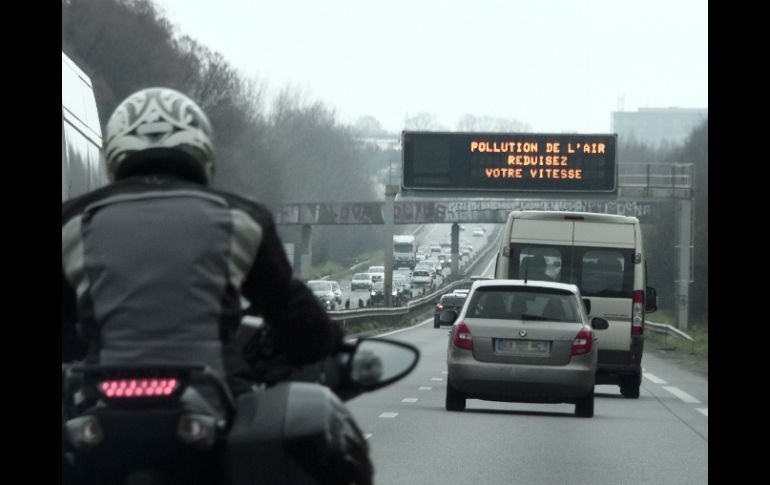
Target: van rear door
604,270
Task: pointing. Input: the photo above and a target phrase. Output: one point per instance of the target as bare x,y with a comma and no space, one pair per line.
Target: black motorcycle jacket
153,270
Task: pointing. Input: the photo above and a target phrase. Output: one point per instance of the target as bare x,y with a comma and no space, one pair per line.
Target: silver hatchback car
520,341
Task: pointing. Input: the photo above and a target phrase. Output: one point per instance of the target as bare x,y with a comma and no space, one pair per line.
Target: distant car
377,272
421,278
361,281
451,301
403,285
478,233
405,272
337,292
522,342
324,291
378,294
437,266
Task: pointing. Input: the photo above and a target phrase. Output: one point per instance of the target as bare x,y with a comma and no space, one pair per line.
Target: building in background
657,127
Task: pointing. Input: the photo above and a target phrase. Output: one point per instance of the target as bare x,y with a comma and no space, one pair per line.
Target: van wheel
629,386
455,400
584,406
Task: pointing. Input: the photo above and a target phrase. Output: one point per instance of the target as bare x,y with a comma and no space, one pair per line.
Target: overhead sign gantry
509,162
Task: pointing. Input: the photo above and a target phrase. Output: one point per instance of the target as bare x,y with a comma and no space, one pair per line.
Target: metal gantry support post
684,266
455,267
306,252
389,216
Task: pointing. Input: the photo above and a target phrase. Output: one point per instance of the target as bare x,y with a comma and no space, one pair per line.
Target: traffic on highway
349,243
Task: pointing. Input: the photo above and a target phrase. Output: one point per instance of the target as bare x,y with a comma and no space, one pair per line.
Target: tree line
660,237
295,151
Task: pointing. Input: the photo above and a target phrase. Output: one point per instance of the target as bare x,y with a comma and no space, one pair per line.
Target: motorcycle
180,424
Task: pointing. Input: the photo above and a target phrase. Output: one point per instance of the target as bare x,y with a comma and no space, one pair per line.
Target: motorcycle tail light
138,388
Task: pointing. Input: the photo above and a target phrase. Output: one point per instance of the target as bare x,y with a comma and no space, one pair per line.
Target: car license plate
522,346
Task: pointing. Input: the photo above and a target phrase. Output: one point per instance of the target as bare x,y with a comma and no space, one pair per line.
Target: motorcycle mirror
376,363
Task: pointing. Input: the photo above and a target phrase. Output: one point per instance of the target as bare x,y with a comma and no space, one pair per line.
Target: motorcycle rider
154,264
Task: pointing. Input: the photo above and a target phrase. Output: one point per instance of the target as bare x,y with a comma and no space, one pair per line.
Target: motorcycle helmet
159,130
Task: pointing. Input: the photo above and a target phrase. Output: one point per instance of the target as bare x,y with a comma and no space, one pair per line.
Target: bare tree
472,123
423,122
368,126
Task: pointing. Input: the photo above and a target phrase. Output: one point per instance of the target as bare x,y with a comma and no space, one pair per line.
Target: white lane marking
439,379
652,377
703,411
409,399
425,388
388,415
494,260
445,372
681,394
368,435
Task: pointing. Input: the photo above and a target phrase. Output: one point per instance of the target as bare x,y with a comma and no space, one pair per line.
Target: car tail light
637,313
440,306
583,342
461,336
143,387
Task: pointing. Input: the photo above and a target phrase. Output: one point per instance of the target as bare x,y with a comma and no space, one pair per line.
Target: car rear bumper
521,382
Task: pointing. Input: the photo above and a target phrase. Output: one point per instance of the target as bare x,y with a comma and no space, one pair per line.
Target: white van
602,254
82,164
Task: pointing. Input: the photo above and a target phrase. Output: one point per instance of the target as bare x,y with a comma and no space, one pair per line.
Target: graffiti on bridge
489,211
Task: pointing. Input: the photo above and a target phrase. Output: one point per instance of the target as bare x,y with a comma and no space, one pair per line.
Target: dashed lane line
681,394
409,399
653,378
388,415
703,411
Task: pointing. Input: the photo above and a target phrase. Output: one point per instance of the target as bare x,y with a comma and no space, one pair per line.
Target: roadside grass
697,331
335,271
331,269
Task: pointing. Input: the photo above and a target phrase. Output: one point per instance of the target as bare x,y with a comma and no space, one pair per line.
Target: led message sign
527,162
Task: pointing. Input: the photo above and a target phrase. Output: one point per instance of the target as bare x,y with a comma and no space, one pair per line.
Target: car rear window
524,303
456,301
320,286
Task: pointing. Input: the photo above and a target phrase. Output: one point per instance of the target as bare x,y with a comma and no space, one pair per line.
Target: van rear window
602,272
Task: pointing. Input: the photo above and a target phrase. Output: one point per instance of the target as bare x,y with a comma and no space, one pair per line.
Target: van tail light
637,313
461,336
583,342
440,306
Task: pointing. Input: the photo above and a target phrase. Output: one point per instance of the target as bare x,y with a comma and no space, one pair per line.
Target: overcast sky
557,65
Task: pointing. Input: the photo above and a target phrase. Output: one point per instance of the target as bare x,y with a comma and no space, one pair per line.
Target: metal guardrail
667,330
662,175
